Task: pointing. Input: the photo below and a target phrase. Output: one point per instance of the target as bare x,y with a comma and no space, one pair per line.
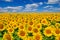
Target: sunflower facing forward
48,31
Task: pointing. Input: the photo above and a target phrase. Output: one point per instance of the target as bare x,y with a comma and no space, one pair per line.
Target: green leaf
30,34
1,35
44,26
17,38
53,22
16,30
1,38
4,31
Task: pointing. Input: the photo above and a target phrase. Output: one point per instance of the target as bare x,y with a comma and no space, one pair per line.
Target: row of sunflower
29,26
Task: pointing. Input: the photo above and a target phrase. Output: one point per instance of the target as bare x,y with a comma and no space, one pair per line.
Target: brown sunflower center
10,30
38,26
57,31
21,27
31,23
22,33
35,30
44,21
29,28
48,31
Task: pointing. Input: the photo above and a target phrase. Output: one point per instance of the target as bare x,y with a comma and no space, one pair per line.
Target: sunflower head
38,36
7,36
48,31
2,27
22,33
56,31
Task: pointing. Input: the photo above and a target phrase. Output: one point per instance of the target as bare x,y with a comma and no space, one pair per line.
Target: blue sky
29,5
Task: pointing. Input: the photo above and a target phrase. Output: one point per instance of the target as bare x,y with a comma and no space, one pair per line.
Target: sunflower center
35,30
22,33
10,30
44,21
57,31
38,26
29,28
21,27
48,31
1,26
26,21
31,23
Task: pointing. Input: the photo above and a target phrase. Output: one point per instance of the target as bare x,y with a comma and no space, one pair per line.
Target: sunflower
38,36
1,26
35,30
44,21
38,26
48,31
10,30
7,37
31,23
22,34
29,28
56,31
57,25
57,37
21,26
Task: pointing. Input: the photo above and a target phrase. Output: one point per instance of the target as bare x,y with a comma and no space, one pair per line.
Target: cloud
53,1
7,0
48,6
11,9
51,9
31,7
41,3
27,8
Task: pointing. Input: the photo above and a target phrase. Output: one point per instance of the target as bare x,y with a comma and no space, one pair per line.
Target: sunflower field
28,26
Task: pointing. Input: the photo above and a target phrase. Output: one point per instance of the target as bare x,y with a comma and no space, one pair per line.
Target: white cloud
53,1
28,7
56,9
11,9
48,6
51,9
41,3
31,7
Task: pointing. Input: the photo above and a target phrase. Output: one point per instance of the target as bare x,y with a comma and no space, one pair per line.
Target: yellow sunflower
38,26
1,26
44,21
29,28
56,31
57,25
48,31
22,34
35,30
21,26
10,30
31,23
38,36
7,36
